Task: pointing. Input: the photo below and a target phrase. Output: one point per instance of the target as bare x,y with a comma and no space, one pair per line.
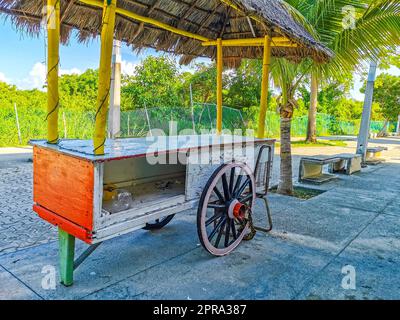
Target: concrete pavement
355,224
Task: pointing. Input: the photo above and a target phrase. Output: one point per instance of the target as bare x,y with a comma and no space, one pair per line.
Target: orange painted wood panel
66,225
64,185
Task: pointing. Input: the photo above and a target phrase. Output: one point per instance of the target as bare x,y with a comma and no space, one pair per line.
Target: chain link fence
137,123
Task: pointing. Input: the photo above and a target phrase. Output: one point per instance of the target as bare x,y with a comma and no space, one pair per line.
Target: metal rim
158,223
215,225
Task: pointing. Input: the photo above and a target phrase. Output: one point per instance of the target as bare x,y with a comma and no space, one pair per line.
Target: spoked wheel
224,213
159,223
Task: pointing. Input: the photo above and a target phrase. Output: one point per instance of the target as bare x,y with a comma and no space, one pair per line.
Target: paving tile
12,289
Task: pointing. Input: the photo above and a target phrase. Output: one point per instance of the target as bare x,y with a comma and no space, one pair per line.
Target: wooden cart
74,180
221,175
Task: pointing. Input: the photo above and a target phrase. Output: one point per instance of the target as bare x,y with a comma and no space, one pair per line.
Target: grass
319,143
302,193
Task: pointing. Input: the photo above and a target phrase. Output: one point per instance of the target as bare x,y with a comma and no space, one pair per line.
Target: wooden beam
103,97
148,20
53,62
219,85
264,87
235,7
276,41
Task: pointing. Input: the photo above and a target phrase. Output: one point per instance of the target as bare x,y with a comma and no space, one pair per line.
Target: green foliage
245,85
387,94
79,91
168,90
156,82
203,82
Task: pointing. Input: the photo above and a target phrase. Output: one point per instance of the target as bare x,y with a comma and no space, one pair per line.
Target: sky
22,59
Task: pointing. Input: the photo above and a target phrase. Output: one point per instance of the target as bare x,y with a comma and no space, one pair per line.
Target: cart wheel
223,216
159,223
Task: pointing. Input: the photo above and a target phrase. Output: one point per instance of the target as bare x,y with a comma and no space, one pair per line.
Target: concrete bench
311,169
349,163
374,155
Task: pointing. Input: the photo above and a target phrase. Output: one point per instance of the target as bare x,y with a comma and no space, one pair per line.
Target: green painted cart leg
66,244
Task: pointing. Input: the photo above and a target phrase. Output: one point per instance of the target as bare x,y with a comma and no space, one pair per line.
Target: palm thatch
209,18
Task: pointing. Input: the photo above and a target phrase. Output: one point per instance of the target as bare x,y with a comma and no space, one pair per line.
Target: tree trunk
312,112
286,172
383,132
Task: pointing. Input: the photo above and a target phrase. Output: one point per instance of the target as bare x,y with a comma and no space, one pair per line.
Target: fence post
148,120
17,121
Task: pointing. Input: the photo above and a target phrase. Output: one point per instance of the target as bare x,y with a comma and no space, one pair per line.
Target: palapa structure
224,30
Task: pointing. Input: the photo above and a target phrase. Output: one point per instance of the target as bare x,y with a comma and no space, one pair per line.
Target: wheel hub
237,210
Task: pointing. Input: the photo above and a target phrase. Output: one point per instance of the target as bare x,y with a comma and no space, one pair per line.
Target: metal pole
362,142
398,126
114,114
148,120
17,120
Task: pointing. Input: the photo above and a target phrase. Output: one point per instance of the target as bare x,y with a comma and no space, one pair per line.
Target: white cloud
37,77
70,71
128,68
3,78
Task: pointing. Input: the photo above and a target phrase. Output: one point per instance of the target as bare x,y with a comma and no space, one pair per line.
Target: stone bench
374,155
311,169
349,163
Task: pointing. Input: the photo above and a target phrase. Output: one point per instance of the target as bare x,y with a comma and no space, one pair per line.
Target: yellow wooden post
264,87
103,97
219,85
53,61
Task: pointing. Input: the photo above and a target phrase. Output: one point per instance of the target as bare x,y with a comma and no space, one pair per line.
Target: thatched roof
208,18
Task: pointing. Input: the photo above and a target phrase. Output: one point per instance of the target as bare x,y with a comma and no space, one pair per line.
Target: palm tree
355,30
376,27
287,76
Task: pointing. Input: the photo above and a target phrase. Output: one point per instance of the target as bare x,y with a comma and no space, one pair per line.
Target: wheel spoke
243,187
225,187
238,181
213,218
221,230
219,195
217,227
246,198
231,181
215,206
228,226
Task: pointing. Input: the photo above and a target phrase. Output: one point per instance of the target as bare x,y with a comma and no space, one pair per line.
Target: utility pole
17,122
362,142
398,125
114,114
